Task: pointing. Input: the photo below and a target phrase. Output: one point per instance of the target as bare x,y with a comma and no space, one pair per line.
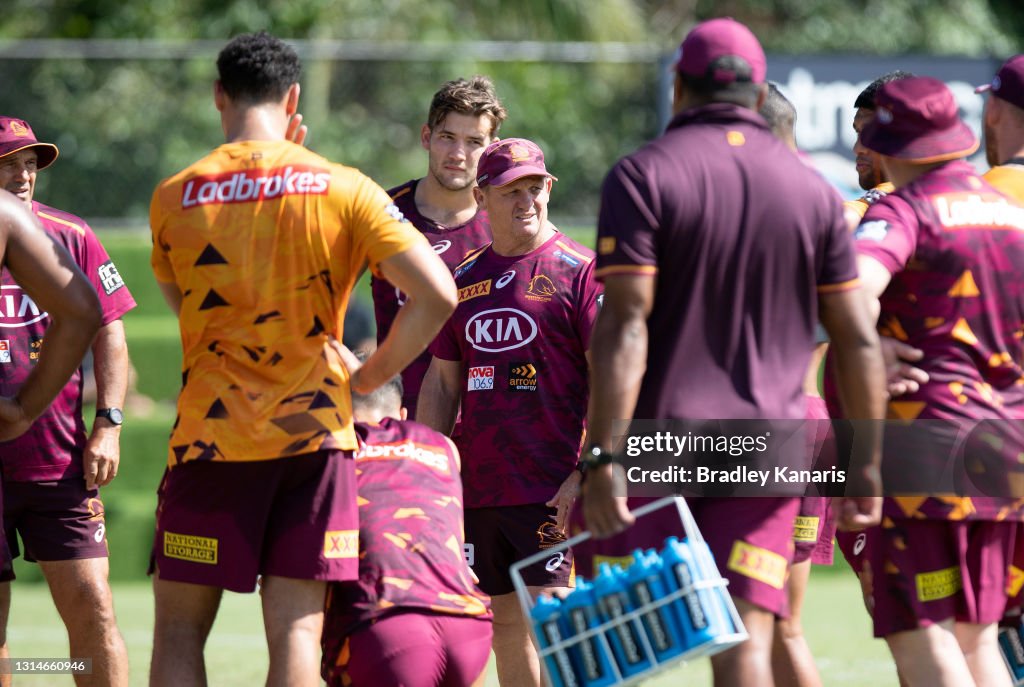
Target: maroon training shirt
521,331
742,236
52,447
452,244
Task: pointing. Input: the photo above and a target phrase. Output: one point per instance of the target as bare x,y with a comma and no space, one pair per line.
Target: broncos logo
549,535
541,286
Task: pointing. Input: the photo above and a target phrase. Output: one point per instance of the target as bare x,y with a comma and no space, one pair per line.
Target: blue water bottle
1013,650
698,616
645,584
546,615
590,656
613,603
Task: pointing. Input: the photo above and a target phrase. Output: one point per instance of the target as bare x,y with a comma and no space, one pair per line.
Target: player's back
742,232
263,239
1008,179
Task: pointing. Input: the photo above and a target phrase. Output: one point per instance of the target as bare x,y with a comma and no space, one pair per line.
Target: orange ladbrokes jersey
1008,179
265,240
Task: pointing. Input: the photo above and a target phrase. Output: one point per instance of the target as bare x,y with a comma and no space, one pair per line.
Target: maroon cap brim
46,153
513,173
951,144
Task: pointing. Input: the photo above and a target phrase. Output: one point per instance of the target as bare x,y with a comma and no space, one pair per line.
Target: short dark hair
258,68
385,397
742,91
779,113
474,97
866,99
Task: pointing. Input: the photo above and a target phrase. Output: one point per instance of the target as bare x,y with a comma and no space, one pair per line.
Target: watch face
114,415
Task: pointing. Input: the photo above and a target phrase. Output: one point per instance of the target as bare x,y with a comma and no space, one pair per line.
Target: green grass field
835,621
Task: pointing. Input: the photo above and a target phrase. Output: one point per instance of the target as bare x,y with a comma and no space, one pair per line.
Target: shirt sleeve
378,228
888,233
115,298
589,304
446,344
159,258
836,258
626,224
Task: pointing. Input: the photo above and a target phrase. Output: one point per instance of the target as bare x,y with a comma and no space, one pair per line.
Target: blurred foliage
122,125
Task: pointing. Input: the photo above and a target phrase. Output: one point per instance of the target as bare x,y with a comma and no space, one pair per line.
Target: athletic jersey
955,249
521,332
861,205
453,244
52,447
708,210
1008,179
264,239
410,531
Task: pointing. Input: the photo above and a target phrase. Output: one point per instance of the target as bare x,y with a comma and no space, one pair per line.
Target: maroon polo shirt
742,236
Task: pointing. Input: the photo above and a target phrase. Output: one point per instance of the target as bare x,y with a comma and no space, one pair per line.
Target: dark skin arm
49,276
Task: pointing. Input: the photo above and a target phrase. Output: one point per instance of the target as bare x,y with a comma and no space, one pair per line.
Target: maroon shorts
648,532
58,521
813,531
412,649
223,523
752,542
500,536
927,571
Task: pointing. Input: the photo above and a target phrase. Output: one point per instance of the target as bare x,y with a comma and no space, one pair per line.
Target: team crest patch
805,529
191,548
341,544
541,288
606,245
758,564
19,129
549,535
939,584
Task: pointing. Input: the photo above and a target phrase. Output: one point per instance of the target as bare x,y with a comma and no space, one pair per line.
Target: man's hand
348,359
605,514
854,513
563,500
296,132
102,455
901,376
13,420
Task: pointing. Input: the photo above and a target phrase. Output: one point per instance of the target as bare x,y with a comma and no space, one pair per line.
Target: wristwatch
593,457
113,415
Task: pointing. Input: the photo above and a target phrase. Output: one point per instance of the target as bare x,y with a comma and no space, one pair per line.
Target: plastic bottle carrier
627,626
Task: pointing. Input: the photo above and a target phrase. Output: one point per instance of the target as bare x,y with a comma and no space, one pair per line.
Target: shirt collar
717,112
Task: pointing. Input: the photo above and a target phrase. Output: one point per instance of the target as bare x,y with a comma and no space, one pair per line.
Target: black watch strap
112,415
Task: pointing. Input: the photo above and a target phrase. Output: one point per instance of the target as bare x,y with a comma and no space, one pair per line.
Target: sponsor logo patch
541,289
110,278
872,231
260,184
939,584
860,543
469,553
341,544
554,562
480,378
35,347
500,329
522,377
758,564
504,279
465,268
481,288
606,245
16,308
1014,581
441,246
805,529
565,257
187,547
5,351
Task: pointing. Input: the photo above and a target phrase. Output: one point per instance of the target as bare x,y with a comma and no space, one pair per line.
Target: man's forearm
416,325
110,365
437,405
619,351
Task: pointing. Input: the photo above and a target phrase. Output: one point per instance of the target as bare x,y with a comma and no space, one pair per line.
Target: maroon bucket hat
717,38
1008,83
504,161
16,134
917,120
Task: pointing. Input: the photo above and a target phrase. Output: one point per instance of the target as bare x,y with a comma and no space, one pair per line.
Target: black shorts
500,536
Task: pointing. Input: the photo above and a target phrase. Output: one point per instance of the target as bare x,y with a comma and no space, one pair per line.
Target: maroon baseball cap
16,134
717,38
504,161
917,120
1008,83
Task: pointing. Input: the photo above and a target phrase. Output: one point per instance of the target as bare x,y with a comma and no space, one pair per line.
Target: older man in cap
52,473
1004,128
514,354
719,250
943,255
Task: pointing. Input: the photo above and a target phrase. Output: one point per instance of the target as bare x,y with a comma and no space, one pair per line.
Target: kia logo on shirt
500,329
16,308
